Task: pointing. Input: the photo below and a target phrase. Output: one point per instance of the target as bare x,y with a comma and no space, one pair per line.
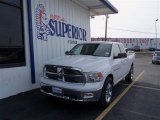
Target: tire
129,77
153,62
107,93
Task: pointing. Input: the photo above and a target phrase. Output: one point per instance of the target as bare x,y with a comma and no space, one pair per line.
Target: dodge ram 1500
88,72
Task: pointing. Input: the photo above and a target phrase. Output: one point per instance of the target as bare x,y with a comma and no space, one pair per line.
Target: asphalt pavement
141,101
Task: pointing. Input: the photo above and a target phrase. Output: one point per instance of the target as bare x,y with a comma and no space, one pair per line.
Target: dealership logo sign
56,26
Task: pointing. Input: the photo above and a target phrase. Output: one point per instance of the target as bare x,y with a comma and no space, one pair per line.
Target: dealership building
35,31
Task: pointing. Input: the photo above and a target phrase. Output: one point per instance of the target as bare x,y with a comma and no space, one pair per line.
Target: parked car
156,57
129,49
88,72
131,52
152,49
136,48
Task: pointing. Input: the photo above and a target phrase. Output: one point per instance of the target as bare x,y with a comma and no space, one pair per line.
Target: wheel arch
110,76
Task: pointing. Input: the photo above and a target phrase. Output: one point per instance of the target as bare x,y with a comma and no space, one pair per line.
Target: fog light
88,95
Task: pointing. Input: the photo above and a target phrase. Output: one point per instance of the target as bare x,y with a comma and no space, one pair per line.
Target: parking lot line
106,111
141,86
144,87
152,117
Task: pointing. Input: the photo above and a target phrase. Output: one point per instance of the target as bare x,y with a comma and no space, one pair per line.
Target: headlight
94,76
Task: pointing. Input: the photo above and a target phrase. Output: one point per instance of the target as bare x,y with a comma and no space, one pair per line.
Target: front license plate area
57,90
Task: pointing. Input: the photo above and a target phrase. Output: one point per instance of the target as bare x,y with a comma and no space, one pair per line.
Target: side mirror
121,55
69,53
126,50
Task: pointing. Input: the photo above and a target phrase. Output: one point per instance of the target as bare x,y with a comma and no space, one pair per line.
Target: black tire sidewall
128,77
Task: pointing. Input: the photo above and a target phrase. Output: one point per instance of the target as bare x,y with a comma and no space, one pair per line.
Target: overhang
98,7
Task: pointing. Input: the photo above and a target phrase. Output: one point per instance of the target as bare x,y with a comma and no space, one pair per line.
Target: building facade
35,31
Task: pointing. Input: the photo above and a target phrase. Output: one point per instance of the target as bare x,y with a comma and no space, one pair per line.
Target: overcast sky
134,15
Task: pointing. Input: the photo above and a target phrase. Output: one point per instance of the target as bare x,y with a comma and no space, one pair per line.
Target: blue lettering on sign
69,30
51,24
55,27
62,29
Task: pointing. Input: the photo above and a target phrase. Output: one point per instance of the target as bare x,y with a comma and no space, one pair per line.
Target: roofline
109,5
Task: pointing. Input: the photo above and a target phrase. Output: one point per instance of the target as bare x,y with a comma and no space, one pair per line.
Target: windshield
102,50
157,53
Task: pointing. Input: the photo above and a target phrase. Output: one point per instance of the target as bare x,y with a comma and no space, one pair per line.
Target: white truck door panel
125,61
117,69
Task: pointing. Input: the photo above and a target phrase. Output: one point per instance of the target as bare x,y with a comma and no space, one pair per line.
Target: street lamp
156,31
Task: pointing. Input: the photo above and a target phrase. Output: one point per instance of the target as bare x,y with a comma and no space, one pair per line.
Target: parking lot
137,101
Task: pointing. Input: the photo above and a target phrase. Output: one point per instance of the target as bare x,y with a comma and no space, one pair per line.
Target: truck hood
85,62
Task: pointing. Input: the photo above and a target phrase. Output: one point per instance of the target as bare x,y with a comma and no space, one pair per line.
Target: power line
131,30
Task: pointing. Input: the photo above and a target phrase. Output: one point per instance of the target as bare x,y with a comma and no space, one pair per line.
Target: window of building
12,51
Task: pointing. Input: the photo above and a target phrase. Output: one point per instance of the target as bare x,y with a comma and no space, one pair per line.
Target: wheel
106,94
153,62
129,77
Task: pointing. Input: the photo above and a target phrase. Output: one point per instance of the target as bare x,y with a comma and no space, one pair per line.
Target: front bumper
70,94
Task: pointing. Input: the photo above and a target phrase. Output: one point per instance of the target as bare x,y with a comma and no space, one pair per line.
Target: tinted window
122,48
16,3
102,50
77,49
116,50
11,35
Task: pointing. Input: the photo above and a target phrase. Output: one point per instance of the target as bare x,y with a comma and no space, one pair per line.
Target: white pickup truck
88,72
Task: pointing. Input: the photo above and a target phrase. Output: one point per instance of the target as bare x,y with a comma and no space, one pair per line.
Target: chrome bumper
74,95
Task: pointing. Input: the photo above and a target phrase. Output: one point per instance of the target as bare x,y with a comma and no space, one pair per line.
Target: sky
135,19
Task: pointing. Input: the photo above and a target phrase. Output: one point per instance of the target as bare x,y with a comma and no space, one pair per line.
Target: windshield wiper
69,53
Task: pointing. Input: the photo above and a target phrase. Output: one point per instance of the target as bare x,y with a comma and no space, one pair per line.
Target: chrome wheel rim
108,94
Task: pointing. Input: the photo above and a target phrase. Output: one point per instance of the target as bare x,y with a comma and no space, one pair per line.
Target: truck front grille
63,73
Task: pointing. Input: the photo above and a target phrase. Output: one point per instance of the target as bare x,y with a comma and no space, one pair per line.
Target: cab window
116,50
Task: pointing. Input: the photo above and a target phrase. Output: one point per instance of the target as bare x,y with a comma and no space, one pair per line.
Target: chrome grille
64,73
51,71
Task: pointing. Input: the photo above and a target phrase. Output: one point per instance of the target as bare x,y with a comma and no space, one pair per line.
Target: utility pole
106,27
156,31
